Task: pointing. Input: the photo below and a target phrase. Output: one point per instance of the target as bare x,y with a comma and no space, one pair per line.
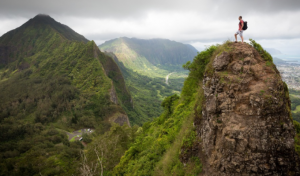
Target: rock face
120,119
113,95
246,126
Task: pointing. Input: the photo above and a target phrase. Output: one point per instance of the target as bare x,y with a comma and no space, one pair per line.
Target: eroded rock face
221,61
246,128
113,95
122,119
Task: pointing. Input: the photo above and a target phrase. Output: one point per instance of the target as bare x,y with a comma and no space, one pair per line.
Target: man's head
240,17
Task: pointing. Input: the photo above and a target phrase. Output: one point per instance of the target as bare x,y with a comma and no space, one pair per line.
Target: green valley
153,58
146,66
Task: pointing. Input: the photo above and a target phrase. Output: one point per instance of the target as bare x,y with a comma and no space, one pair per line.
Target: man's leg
235,37
241,35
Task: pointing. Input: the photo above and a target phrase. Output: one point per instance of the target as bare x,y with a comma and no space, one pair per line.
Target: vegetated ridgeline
28,47
245,126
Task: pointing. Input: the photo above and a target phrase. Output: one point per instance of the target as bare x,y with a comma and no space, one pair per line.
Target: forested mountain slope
53,80
147,93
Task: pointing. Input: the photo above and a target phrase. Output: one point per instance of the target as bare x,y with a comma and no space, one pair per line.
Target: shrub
263,53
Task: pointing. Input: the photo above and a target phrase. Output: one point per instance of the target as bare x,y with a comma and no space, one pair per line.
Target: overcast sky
273,23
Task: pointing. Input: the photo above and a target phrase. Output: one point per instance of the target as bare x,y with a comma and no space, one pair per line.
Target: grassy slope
49,82
297,137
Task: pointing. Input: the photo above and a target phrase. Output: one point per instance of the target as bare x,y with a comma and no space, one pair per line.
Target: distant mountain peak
41,27
43,18
42,15
273,51
46,20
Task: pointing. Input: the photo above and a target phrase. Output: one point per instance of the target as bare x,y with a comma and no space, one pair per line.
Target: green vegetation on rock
297,137
263,53
295,104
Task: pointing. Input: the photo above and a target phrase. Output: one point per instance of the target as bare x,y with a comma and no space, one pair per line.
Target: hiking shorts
239,33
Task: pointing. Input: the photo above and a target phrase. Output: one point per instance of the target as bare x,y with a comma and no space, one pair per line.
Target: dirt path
167,77
77,134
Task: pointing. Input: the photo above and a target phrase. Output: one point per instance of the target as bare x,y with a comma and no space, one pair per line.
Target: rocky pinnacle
246,126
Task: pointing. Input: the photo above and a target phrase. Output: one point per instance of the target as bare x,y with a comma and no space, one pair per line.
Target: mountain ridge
150,57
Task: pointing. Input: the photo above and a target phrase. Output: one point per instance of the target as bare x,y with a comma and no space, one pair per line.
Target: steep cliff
245,126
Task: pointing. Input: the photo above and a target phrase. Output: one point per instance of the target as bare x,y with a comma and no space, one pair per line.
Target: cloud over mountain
189,21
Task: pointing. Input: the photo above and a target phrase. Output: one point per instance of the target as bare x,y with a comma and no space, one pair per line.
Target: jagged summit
42,15
42,19
246,126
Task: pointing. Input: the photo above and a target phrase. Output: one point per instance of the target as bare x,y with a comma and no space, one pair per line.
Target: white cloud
199,23
10,24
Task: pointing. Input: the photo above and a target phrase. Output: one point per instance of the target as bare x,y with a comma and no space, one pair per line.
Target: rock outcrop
120,119
113,95
246,126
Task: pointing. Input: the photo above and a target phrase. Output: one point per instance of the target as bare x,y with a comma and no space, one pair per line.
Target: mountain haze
155,56
273,51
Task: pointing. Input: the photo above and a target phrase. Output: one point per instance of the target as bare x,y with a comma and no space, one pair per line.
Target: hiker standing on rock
240,31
